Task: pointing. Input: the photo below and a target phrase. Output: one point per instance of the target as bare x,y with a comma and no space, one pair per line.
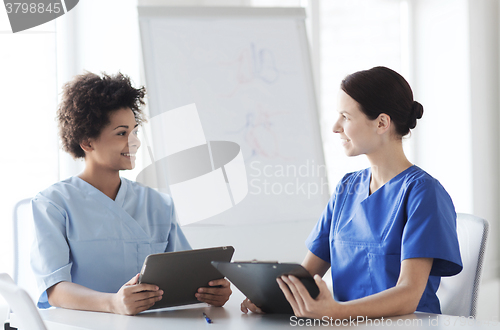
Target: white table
230,317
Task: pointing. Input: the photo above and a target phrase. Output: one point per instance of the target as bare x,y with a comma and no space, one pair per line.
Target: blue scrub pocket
350,270
384,270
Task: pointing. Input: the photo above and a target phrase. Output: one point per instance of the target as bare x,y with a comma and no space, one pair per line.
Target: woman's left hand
301,301
217,294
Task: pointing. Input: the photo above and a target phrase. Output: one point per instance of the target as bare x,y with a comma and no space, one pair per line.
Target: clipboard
257,281
180,274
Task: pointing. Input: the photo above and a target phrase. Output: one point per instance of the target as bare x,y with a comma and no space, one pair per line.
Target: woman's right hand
133,298
247,305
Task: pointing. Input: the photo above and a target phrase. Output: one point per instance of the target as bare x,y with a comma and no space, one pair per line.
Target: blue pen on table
207,318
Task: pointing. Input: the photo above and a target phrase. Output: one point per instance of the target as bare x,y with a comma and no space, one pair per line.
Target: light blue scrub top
85,237
365,237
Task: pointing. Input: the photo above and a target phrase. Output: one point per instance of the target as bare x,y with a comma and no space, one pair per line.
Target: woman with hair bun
388,232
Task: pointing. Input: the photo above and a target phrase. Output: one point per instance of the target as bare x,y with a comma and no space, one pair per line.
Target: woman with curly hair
94,230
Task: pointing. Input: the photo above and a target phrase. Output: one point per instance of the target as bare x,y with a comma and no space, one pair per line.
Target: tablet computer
180,274
257,281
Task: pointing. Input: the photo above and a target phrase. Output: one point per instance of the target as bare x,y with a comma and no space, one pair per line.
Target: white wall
456,75
484,46
440,73
484,119
28,161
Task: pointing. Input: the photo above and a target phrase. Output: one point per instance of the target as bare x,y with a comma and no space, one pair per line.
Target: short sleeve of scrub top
430,231
84,237
411,216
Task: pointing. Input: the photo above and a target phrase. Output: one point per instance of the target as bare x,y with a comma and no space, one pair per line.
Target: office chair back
24,236
458,294
21,304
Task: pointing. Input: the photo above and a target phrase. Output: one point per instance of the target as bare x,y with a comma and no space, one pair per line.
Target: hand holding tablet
180,275
257,280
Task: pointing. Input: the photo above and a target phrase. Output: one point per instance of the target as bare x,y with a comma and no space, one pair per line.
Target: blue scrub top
365,237
85,237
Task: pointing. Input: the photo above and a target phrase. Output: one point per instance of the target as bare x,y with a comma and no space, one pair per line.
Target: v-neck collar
116,206
96,192
395,178
122,192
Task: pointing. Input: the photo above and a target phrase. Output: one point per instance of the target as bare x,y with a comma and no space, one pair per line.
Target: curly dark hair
86,103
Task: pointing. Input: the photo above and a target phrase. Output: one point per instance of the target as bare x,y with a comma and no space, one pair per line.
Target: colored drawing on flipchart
259,130
252,64
260,134
246,81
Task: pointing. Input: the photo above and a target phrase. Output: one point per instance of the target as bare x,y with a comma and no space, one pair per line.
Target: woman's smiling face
117,145
357,132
